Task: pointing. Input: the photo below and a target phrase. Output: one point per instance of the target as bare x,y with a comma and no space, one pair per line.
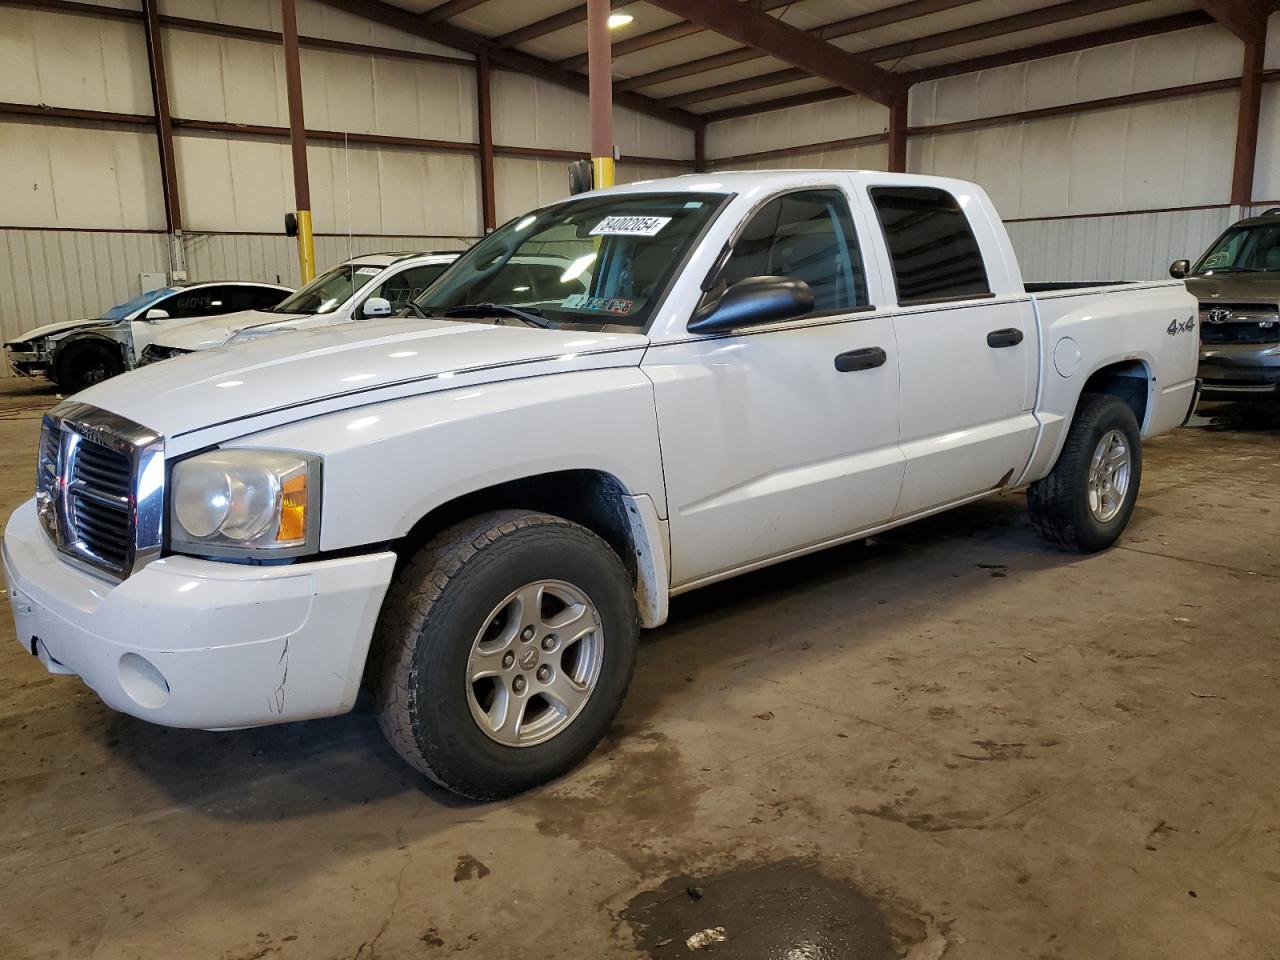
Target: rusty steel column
1247,125
298,141
484,119
600,76
898,135
164,140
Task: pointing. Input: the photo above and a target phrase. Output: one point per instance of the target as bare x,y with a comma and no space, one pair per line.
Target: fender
107,333
1137,319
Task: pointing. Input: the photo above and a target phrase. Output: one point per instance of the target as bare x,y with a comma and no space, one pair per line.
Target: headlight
245,503
256,333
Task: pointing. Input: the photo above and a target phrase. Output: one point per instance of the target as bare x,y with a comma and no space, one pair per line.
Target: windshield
122,310
595,262
1246,249
327,292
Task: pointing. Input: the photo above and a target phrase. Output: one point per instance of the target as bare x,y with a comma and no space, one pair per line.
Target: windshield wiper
530,315
1230,268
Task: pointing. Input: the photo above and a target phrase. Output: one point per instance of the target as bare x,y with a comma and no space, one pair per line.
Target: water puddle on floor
781,911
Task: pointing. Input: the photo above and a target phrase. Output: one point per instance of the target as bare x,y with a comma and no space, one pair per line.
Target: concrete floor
1013,752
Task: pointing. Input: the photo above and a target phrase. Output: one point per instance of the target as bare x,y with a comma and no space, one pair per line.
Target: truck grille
100,488
1257,323
99,493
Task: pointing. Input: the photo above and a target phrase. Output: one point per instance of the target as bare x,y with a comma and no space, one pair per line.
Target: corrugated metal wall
1049,175
52,275
1136,246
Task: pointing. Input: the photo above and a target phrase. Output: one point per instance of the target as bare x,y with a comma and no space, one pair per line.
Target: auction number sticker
368,271
580,301
629,226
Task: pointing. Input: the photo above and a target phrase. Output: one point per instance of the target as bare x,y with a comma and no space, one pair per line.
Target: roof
694,69
395,256
743,181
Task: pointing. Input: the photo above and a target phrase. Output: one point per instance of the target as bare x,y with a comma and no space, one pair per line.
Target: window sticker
629,226
616,305
368,271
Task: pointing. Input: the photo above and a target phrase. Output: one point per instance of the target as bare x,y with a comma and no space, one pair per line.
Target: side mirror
1179,269
753,301
154,314
376,307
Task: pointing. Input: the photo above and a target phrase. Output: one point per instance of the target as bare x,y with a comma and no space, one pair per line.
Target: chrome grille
100,488
1239,322
99,500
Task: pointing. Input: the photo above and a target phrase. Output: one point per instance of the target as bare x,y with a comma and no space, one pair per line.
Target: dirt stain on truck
786,910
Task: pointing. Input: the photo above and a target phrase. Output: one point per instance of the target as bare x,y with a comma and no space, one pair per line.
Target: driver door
781,437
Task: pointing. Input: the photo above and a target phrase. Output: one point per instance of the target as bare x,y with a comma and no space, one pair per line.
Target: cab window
809,236
934,254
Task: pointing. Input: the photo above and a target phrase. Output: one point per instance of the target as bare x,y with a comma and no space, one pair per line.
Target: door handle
865,359
1008,337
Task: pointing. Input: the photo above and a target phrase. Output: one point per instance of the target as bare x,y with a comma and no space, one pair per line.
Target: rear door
783,436
967,355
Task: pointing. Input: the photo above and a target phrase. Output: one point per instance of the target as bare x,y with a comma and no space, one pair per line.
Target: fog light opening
143,682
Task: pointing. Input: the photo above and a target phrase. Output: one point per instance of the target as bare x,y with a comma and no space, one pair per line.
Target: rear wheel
1085,502
81,365
503,652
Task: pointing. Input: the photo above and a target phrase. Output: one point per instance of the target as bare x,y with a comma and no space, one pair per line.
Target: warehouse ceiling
681,67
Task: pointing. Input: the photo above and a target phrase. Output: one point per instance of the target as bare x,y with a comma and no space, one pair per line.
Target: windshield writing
1253,249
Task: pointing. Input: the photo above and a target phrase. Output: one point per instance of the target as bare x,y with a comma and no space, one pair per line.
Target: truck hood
329,368
210,332
52,328
1237,287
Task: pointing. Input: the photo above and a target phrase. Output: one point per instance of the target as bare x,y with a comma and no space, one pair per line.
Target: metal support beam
898,135
1037,51
676,31
164,140
1247,125
700,149
484,121
1247,19
600,73
1027,20
791,45
450,8
503,58
298,141
841,28
557,21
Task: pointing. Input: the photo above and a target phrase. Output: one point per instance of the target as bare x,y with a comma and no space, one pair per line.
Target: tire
1064,510
431,634
81,365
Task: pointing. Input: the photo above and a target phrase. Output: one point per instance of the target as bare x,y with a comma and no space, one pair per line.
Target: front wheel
81,365
503,652
1085,503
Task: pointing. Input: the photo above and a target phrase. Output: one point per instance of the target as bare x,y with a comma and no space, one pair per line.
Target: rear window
934,253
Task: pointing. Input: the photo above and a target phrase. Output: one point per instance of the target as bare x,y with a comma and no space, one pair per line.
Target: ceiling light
617,20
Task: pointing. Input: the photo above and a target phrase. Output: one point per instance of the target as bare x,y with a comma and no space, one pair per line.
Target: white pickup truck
476,507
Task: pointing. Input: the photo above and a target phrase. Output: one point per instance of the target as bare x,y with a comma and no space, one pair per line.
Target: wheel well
1129,381
74,344
590,498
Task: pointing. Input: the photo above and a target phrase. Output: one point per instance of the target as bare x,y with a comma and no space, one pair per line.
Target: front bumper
28,363
198,643
1239,371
